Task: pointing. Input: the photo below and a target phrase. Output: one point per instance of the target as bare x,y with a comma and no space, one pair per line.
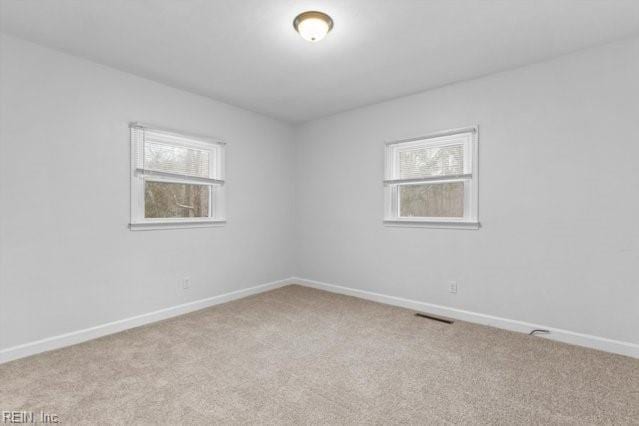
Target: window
432,181
176,180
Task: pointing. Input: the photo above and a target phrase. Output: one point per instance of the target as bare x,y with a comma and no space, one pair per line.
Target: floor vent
434,318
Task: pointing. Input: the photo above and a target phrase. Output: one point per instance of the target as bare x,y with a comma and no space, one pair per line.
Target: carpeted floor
298,355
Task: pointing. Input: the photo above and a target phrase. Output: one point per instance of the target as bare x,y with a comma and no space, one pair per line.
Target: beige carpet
297,355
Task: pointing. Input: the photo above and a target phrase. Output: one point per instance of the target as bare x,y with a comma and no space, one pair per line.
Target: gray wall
68,261
559,204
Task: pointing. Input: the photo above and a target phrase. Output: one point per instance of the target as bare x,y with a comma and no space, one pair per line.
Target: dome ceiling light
312,25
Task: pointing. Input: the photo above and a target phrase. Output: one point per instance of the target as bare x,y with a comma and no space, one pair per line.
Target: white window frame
470,178
217,197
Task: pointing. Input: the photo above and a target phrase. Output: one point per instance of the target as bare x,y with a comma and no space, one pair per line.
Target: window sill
431,224
148,226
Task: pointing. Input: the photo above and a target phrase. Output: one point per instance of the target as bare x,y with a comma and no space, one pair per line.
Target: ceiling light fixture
312,25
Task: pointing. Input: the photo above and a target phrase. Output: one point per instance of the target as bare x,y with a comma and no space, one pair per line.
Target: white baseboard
80,336
566,336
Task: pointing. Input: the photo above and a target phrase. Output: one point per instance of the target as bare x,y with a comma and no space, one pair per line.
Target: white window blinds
423,161
164,154
176,159
430,159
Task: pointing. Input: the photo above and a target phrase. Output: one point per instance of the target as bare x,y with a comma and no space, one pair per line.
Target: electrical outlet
186,283
452,287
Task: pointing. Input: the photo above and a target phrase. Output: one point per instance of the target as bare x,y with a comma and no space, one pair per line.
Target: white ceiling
245,52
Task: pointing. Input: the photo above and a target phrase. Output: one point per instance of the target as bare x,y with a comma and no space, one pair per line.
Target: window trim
391,202
217,210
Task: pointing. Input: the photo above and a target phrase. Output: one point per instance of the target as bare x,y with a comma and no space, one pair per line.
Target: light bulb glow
313,29
313,26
